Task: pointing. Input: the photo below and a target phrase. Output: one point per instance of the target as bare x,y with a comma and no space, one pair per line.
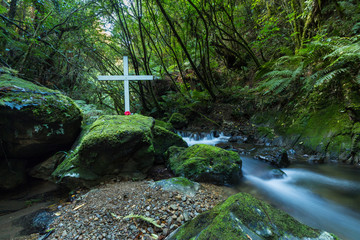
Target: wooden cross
126,78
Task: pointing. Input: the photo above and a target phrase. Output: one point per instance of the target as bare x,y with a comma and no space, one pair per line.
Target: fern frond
330,76
275,73
352,50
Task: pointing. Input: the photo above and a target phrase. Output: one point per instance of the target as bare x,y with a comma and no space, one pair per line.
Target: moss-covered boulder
168,126
242,216
204,163
113,145
35,121
163,139
89,111
178,120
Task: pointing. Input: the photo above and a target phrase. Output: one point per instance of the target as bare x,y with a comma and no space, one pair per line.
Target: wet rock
206,163
275,174
36,222
238,139
316,159
242,216
162,140
277,157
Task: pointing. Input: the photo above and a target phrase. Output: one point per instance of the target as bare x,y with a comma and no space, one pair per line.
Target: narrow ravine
322,196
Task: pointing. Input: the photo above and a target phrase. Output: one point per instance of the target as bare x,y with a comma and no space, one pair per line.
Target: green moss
42,103
323,127
182,181
199,160
178,120
112,143
163,139
168,126
242,216
266,132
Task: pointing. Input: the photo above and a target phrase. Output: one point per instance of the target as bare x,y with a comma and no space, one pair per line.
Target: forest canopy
200,49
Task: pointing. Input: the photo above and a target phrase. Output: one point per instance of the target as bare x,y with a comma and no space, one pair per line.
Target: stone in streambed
205,163
275,156
242,216
179,184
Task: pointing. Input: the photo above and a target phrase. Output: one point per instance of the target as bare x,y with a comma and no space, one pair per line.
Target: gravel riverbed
99,213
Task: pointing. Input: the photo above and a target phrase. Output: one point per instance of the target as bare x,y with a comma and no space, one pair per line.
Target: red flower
127,113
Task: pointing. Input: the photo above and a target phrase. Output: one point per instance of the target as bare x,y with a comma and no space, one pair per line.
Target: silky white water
203,138
297,194
325,197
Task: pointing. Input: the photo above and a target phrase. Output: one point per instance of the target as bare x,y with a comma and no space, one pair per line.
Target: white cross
126,77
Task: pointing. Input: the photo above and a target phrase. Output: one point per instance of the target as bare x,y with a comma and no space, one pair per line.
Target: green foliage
286,71
325,64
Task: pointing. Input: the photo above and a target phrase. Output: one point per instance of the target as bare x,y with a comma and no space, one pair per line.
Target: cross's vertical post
126,78
126,84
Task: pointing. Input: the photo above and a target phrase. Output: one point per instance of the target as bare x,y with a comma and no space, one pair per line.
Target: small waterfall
211,138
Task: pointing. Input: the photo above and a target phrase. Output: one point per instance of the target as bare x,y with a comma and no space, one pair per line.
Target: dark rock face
44,169
205,163
163,139
273,155
37,222
35,122
242,216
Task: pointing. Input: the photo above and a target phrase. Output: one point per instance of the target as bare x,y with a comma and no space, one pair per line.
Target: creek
323,196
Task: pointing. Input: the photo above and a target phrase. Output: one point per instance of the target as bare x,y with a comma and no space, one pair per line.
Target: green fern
278,80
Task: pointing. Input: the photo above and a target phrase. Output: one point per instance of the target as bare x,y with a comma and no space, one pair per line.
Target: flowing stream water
325,197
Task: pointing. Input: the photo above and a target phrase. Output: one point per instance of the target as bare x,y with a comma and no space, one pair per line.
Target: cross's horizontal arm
134,78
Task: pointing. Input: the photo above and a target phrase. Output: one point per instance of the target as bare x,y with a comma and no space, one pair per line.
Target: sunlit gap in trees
108,26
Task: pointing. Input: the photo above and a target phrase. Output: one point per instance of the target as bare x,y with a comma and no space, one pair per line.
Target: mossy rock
179,184
178,120
163,139
205,163
113,145
35,121
89,111
242,216
168,126
329,130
